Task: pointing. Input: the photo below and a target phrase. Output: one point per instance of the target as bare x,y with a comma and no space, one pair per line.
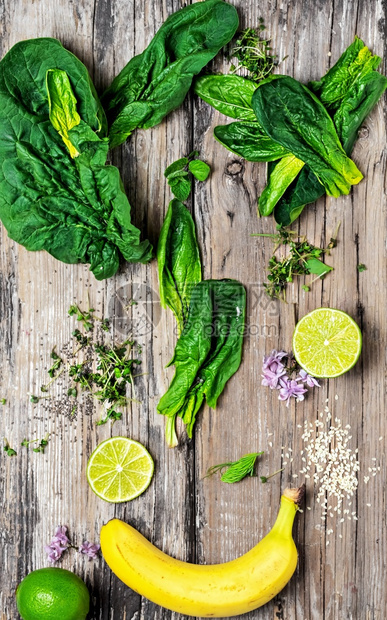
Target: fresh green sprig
361,267
108,384
85,316
179,178
43,443
8,450
236,470
264,479
3,401
303,259
253,53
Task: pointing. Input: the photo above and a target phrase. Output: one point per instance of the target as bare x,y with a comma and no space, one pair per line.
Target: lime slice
119,469
327,342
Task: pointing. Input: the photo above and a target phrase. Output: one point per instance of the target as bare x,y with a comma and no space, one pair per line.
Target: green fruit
52,594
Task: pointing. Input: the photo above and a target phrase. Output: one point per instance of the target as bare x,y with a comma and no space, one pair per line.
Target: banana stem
288,510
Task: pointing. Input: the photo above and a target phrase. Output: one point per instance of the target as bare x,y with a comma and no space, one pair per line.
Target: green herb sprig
3,401
43,443
179,178
236,470
253,53
264,479
8,450
303,259
108,384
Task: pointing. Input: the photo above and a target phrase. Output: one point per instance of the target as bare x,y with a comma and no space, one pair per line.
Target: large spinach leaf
293,116
229,94
178,261
157,81
354,106
250,141
56,191
207,354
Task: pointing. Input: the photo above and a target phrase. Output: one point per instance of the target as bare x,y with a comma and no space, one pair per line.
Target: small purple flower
273,369
58,545
60,536
308,379
89,549
289,388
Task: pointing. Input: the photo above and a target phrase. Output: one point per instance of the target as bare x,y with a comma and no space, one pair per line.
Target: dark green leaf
181,187
179,164
178,261
157,81
229,94
291,115
248,140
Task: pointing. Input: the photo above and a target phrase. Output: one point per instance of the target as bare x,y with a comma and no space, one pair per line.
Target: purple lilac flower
273,369
58,545
308,379
89,549
289,388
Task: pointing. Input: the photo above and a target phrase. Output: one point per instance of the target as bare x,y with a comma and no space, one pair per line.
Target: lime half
119,469
327,342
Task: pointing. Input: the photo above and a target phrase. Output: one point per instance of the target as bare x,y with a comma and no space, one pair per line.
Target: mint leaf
199,169
317,267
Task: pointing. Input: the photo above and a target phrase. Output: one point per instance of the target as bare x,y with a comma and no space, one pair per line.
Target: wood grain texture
194,519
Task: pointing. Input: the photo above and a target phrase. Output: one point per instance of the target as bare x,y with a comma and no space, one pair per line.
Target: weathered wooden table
200,520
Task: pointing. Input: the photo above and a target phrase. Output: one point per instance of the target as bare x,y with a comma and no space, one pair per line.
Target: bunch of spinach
210,317
56,191
349,91
207,354
156,82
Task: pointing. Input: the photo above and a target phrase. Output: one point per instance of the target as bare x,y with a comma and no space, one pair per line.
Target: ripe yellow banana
217,590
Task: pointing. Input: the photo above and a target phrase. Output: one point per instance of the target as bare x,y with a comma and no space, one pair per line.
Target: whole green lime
52,594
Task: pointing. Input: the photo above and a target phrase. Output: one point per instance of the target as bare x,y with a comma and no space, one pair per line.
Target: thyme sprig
236,470
253,53
303,259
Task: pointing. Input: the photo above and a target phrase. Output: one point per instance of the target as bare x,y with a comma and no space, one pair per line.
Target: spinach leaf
351,67
157,81
250,141
207,354
291,115
282,175
354,107
56,193
63,106
229,94
178,261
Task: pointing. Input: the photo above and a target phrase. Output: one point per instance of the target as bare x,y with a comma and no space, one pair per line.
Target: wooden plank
191,518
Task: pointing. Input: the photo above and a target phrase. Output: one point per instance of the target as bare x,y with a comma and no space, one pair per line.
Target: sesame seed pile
335,464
